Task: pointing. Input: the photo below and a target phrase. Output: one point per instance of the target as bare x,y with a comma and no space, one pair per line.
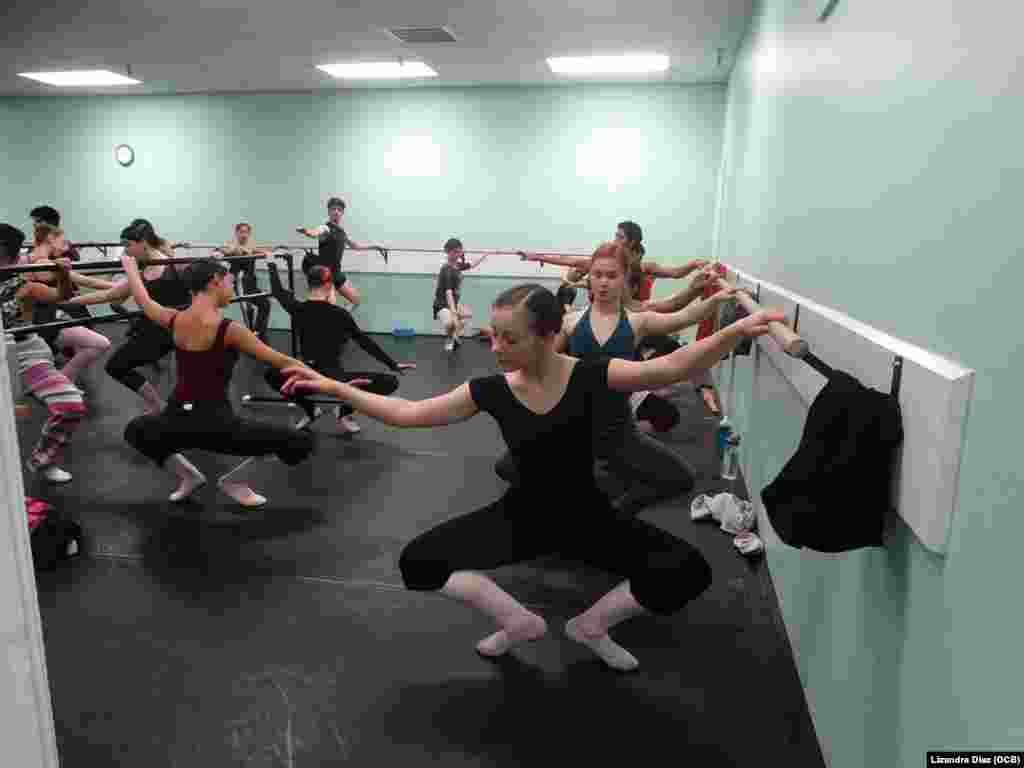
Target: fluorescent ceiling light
81,78
380,69
608,65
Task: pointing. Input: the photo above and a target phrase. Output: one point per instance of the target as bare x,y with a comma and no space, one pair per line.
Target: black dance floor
192,635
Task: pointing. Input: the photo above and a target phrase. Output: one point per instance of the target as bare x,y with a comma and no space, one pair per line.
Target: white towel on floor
735,515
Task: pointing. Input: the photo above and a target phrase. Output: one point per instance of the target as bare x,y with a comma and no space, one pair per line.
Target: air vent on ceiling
417,35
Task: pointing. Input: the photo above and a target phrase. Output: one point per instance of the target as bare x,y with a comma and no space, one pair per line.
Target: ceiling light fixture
609,65
378,70
80,78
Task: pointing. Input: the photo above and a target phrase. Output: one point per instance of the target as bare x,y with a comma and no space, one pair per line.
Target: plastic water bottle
731,457
724,430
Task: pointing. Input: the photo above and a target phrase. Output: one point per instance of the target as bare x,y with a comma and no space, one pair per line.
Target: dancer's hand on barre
757,323
726,293
703,279
694,264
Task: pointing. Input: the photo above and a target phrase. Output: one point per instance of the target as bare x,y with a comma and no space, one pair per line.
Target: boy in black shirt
447,309
332,240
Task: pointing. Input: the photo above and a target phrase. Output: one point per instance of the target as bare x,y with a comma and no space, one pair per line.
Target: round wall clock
124,154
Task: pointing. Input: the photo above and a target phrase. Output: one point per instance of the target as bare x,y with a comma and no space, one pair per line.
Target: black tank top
169,290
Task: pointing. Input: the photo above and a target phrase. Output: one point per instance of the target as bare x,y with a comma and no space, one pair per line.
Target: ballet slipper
190,477
242,493
610,652
528,628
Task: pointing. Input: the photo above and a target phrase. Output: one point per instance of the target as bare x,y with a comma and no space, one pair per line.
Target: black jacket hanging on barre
834,492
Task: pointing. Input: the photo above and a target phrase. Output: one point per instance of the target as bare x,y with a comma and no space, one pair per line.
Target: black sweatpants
147,344
650,470
664,572
214,427
381,384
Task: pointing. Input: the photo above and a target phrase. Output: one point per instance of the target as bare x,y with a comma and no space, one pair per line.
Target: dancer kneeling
542,403
199,414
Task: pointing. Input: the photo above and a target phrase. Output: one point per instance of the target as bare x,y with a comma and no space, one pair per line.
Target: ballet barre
306,420
87,321
787,338
85,267
480,251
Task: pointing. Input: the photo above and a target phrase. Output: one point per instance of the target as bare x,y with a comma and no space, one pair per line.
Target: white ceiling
183,46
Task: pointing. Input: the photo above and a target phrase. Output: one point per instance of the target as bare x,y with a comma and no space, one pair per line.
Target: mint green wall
509,175
875,167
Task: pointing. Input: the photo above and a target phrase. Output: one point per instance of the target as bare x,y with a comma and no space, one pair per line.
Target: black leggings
147,344
214,427
664,572
650,470
380,384
251,285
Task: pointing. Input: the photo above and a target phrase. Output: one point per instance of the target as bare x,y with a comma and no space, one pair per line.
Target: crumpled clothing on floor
734,515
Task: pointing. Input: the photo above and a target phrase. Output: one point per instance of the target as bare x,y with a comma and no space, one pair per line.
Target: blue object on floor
404,332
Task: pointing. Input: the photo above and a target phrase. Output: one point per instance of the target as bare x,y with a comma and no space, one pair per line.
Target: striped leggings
51,387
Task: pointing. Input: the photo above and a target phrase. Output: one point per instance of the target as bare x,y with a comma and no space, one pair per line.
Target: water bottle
731,457
724,430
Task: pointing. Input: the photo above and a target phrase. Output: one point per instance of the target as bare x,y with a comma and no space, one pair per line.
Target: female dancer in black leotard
649,470
324,328
543,402
199,414
147,341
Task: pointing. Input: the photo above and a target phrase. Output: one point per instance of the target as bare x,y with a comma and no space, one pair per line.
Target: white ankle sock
613,654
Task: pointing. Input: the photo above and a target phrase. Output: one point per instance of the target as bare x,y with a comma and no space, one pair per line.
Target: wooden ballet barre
309,246
489,252
792,343
90,244
87,321
107,266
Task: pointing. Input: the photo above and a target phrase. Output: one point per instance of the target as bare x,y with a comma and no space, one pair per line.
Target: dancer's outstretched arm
450,408
628,376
